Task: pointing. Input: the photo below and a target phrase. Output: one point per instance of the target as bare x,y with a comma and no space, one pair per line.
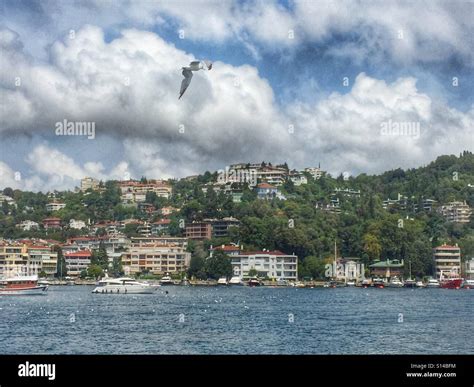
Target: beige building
55,206
89,183
42,259
16,257
457,212
13,256
156,255
135,192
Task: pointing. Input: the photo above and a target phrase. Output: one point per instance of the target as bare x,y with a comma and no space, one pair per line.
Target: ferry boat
123,285
22,285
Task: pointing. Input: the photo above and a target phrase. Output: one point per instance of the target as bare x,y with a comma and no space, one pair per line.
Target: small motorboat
468,284
235,281
395,283
222,281
378,283
166,280
254,281
420,284
432,283
410,283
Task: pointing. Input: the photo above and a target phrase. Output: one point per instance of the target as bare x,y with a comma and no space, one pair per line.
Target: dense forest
301,224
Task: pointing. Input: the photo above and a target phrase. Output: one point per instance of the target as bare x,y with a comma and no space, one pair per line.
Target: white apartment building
77,224
315,172
55,206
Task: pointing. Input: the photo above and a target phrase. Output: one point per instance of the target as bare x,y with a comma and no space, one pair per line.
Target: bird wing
188,74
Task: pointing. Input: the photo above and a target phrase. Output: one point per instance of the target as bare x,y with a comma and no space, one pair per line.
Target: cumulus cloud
129,87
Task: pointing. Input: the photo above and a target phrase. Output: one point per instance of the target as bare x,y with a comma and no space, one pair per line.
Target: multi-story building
268,264
160,227
42,259
198,230
77,262
298,178
52,223
267,191
210,228
55,206
135,192
447,260
28,225
156,256
77,224
13,257
89,183
469,269
272,175
315,172
457,212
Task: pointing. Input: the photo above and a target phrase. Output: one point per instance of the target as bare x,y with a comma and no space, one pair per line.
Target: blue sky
400,60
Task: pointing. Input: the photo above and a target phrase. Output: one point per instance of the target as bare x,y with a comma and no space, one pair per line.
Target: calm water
239,320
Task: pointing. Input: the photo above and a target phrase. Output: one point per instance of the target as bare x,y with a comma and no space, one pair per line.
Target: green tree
94,271
218,265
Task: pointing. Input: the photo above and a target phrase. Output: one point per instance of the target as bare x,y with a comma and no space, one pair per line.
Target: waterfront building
42,259
469,269
387,269
77,262
268,264
447,259
156,255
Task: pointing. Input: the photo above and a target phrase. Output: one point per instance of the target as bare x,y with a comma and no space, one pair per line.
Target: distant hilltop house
388,268
52,223
268,191
165,211
456,212
315,172
77,224
55,206
10,201
133,192
89,183
210,228
268,264
447,260
28,225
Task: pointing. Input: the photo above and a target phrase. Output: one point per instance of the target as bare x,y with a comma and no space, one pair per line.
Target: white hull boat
22,285
123,286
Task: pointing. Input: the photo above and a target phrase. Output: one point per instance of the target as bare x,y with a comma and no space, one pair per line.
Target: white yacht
420,284
432,283
123,285
222,281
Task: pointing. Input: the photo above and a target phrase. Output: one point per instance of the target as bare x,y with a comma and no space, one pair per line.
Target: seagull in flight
188,73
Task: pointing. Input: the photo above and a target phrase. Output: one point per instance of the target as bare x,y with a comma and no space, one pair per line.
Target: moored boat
468,284
451,283
420,284
378,283
409,283
166,280
236,281
254,281
395,283
22,285
432,283
222,281
123,285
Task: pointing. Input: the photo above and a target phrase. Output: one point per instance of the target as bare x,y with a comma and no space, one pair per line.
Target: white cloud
129,88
